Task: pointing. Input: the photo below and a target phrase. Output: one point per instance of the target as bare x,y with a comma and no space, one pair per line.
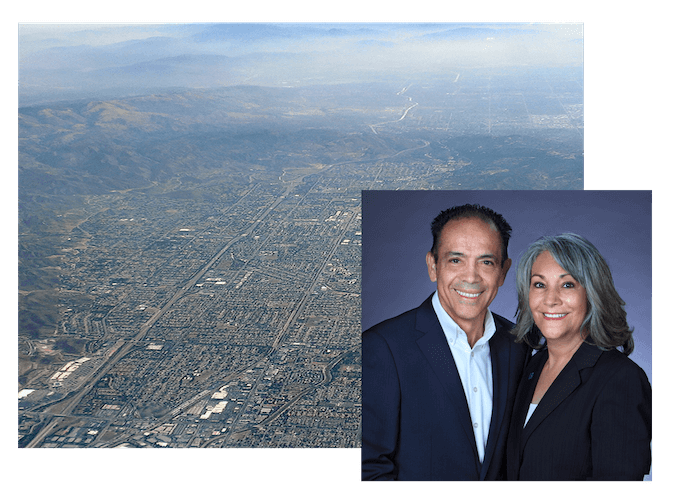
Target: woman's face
557,301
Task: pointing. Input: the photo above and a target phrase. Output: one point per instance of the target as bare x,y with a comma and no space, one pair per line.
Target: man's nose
471,273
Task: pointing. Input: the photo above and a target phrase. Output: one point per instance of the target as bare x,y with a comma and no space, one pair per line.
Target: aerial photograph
189,209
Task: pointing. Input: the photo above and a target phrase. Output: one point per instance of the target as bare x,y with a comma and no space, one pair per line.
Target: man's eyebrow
461,254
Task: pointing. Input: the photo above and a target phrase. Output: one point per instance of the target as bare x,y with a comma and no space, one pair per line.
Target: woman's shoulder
615,365
618,360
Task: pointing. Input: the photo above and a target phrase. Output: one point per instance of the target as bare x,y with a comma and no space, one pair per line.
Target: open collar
566,382
433,343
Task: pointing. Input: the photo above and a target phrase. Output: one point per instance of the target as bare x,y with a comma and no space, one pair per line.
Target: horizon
66,61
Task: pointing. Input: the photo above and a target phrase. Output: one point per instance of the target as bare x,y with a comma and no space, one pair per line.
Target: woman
583,408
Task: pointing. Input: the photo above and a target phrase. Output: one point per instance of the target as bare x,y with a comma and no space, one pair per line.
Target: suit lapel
525,392
434,346
565,383
500,369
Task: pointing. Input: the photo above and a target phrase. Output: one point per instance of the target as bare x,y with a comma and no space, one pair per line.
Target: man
438,382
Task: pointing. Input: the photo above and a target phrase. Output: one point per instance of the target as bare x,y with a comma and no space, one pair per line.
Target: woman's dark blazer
594,421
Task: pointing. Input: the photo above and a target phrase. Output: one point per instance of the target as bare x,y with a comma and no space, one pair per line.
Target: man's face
468,270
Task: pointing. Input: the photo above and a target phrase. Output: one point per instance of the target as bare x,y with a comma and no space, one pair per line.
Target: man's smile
468,295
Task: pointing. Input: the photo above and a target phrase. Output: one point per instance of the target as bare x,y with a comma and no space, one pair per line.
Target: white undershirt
532,408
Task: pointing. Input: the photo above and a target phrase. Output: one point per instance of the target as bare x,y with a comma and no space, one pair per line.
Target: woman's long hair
605,321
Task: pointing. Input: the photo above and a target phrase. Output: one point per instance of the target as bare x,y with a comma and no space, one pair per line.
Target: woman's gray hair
605,320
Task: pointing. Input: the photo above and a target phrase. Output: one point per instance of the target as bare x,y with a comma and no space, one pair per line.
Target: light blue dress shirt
474,368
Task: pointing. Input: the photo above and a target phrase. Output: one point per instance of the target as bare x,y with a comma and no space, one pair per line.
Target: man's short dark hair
469,211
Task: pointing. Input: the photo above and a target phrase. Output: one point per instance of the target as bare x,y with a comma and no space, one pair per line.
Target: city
190,262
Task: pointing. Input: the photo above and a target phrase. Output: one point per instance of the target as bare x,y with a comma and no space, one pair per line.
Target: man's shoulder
504,329
503,325
402,323
394,324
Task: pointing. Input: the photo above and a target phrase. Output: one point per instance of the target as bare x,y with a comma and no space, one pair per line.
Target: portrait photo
398,275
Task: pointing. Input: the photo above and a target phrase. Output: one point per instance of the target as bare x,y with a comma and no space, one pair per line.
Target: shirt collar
453,332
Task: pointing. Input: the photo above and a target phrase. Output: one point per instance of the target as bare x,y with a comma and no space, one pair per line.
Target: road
66,406
404,114
60,410
326,379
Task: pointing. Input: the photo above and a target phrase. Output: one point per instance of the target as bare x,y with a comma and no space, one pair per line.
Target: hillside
80,158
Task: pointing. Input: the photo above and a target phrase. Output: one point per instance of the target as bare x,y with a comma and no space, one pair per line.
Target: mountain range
98,61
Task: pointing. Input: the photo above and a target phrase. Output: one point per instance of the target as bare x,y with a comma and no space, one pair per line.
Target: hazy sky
57,60
36,37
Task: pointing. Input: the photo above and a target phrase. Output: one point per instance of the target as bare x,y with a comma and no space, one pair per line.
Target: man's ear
505,269
432,266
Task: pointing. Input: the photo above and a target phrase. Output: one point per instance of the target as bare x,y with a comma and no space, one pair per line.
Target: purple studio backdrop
396,237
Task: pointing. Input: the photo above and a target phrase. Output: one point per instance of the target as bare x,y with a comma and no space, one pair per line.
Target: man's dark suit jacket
594,421
415,418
